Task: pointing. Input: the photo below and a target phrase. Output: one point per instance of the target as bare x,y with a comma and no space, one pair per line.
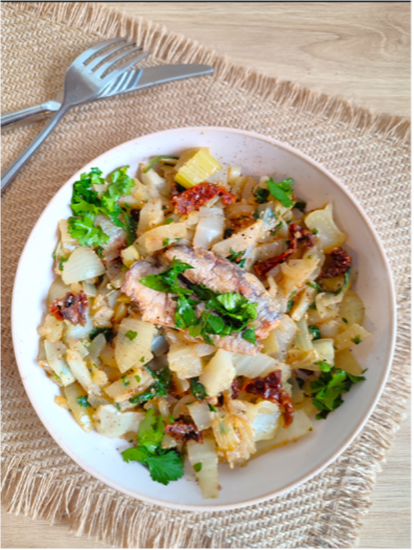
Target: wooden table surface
357,51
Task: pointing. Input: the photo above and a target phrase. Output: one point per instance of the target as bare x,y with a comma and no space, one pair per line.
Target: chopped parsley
282,191
314,332
276,229
261,195
345,283
197,388
198,467
314,285
107,332
166,242
61,262
315,231
138,378
324,366
289,305
131,334
164,465
155,161
212,408
158,389
118,406
236,257
86,204
345,320
300,205
357,340
83,401
256,214
250,336
167,222
125,382
327,390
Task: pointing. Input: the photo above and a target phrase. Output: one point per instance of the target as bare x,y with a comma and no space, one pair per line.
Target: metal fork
82,83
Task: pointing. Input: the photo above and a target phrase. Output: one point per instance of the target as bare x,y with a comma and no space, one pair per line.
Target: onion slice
83,264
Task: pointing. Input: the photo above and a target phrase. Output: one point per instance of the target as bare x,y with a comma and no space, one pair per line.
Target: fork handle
21,118
17,164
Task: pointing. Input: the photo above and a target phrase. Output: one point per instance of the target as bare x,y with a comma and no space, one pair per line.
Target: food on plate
199,312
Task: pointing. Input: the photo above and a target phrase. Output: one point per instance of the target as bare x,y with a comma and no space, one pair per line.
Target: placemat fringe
173,48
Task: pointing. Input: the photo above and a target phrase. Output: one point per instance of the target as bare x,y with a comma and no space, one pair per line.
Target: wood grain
357,51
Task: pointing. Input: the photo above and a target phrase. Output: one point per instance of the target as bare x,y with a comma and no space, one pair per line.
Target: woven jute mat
370,154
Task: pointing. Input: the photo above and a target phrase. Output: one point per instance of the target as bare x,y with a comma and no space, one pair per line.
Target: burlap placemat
370,154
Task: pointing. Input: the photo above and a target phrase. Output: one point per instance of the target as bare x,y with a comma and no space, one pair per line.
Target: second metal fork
84,82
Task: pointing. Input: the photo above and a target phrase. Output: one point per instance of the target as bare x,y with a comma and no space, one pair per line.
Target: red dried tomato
72,307
270,388
183,431
340,262
235,389
195,197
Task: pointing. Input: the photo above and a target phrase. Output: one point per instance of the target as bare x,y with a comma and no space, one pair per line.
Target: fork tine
106,66
118,83
107,53
87,54
127,65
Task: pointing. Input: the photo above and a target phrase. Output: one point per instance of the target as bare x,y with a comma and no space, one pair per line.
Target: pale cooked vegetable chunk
281,338
129,385
258,365
240,241
296,273
130,255
162,236
301,305
218,375
299,359
352,309
322,222
113,423
203,458
265,419
325,350
352,335
55,354
344,360
201,414
133,343
194,166
210,227
182,359
83,415
79,369
83,264
51,329
300,426
57,291
150,216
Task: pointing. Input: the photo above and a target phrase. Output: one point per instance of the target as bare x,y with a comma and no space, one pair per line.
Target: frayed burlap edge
120,522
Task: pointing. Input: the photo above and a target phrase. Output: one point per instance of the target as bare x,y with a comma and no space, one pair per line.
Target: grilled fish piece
224,276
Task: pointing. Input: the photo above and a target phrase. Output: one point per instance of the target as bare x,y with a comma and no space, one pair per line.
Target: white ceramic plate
280,469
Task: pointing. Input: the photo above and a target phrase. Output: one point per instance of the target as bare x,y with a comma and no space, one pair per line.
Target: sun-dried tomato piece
287,405
270,388
195,197
340,262
72,307
235,389
184,431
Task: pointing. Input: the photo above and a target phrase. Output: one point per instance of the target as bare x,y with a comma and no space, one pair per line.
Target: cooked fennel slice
195,166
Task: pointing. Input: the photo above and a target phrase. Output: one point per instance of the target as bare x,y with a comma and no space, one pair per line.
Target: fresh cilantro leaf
166,242
261,195
165,467
250,335
171,418
184,314
300,205
289,305
197,389
281,191
83,401
131,334
314,332
85,232
198,467
167,222
212,407
160,388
